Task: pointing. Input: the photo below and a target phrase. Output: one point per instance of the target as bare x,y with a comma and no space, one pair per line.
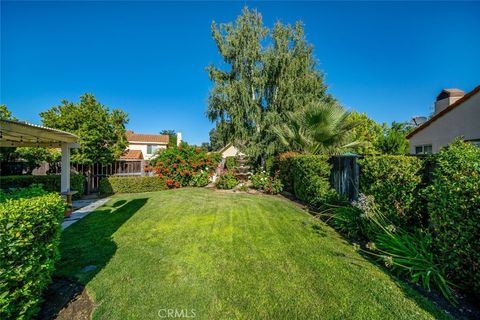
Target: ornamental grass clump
407,254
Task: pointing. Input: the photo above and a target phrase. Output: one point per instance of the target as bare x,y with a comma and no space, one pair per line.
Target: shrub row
132,184
453,206
393,181
446,205
50,183
307,177
437,198
29,239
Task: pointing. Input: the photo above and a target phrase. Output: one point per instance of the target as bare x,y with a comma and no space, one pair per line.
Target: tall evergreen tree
271,72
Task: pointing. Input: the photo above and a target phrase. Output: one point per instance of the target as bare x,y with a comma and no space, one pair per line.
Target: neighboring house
456,115
144,146
230,151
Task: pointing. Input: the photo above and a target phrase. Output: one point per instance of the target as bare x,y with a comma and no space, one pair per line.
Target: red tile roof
132,155
444,111
159,138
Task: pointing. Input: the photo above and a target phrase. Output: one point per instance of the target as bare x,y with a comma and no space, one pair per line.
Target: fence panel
345,176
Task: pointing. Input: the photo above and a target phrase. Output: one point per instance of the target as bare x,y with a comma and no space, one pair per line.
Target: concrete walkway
86,206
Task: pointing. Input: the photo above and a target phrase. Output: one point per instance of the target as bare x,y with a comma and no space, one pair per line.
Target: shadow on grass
86,247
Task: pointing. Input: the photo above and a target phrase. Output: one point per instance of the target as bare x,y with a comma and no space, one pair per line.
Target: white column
179,138
65,178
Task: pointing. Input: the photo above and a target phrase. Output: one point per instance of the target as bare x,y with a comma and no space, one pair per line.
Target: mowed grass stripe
227,256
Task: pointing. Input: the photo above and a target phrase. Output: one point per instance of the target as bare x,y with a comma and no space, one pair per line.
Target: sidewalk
86,206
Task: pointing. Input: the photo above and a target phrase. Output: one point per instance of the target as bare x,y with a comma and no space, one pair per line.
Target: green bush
131,184
393,181
29,239
308,177
50,183
227,181
454,209
284,166
263,182
230,163
200,179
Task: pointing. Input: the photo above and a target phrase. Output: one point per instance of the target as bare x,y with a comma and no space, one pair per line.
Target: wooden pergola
22,134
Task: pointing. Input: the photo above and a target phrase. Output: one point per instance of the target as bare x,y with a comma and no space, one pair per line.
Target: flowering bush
179,164
262,181
227,181
200,179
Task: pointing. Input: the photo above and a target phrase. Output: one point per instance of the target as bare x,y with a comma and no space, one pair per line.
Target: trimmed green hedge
454,209
29,239
132,184
308,178
393,181
50,183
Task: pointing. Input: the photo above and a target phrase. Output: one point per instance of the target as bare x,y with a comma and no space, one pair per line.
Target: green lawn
226,256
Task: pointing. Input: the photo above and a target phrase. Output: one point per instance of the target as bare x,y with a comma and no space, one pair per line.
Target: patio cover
22,134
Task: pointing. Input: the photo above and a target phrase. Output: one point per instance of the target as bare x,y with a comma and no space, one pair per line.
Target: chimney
179,138
446,98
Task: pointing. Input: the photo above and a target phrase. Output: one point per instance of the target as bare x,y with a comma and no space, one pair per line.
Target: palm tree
318,128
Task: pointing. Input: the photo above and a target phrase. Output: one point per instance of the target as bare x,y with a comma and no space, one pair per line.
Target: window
152,148
423,149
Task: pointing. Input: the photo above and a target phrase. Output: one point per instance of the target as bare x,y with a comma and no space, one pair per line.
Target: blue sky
387,59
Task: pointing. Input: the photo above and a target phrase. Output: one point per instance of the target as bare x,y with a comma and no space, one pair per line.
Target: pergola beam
18,129
19,134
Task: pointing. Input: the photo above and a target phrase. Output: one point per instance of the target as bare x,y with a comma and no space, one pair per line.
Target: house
144,146
230,151
456,115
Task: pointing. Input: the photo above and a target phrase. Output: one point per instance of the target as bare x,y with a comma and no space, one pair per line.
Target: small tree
172,137
101,131
393,140
366,132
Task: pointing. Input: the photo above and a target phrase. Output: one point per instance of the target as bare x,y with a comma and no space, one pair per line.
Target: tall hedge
29,239
307,177
393,181
132,184
454,209
50,183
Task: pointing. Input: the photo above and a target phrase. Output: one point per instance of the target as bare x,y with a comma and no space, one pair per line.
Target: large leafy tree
269,73
101,132
366,132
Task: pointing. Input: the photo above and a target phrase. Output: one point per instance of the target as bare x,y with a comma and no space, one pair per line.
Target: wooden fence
345,176
95,172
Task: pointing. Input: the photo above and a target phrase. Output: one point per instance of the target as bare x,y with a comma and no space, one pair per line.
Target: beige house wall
464,120
231,151
142,146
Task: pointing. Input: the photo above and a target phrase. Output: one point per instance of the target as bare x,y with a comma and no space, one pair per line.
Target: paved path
87,206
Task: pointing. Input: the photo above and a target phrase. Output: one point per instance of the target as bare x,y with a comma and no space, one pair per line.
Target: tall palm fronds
318,128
